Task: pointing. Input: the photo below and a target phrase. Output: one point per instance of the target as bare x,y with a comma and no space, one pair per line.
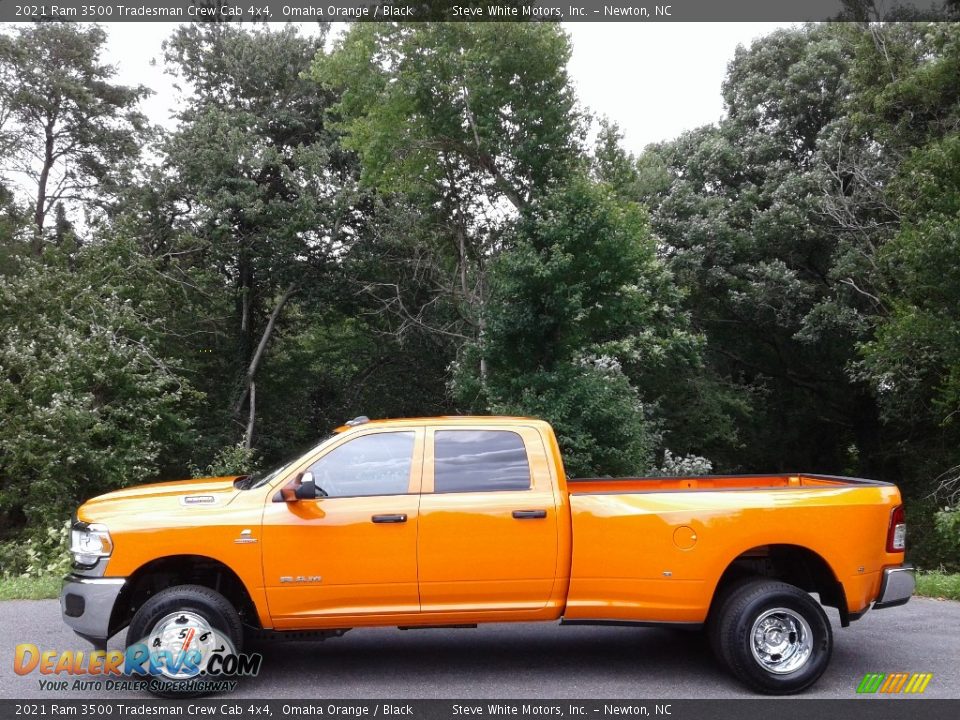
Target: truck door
352,553
488,524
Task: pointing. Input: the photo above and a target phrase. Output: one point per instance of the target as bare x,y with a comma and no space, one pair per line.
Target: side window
377,464
479,461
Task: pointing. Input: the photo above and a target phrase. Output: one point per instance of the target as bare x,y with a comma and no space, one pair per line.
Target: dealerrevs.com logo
179,656
894,683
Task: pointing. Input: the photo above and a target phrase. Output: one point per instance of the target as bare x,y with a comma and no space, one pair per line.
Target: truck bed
652,549
710,482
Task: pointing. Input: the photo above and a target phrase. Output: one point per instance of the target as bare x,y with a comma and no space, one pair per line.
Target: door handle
529,514
397,518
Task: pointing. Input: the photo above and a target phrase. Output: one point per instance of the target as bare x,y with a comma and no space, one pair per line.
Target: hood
200,492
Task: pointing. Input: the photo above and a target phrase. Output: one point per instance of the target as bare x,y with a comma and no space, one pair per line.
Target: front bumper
897,586
86,604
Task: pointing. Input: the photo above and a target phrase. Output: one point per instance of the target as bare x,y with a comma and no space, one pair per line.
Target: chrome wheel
781,641
157,639
186,639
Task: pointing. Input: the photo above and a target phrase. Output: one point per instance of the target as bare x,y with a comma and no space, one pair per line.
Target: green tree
611,164
902,188
88,403
697,407
908,104
914,358
12,222
581,306
739,209
261,194
487,106
73,130
470,123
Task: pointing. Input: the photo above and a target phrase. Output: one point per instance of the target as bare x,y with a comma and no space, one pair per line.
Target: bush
43,553
946,522
88,403
230,460
602,426
582,312
684,465
930,546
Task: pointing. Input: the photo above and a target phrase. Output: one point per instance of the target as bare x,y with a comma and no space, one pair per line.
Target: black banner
477,10
782,709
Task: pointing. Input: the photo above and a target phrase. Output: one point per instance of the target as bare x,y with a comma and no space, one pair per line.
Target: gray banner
477,10
219,708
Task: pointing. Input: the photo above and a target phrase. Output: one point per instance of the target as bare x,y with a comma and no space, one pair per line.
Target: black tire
210,605
718,610
800,641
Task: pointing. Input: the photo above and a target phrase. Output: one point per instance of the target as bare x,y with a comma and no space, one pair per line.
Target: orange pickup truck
455,521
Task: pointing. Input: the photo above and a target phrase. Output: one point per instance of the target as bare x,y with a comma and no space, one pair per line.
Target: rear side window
377,464
479,461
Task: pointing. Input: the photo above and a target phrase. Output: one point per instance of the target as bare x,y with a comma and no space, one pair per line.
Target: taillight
897,533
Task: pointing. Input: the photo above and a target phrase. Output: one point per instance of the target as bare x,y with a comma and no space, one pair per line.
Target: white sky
655,80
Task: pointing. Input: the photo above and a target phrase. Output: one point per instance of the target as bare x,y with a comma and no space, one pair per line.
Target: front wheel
774,637
178,631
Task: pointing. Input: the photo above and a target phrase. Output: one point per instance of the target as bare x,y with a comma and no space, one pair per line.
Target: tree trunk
245,279
482,324
472,299
251,416
40,212
249,389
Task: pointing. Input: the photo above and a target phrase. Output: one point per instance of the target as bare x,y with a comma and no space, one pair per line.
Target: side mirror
302,487
307,489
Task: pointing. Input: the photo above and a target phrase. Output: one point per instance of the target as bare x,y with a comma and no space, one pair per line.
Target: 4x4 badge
301,578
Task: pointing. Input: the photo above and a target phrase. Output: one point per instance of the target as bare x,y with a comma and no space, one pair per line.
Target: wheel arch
187,569
789,563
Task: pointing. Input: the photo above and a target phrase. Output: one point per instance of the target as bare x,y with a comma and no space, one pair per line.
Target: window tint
478,461
377,464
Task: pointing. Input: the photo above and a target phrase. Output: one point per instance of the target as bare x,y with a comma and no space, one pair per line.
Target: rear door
488,521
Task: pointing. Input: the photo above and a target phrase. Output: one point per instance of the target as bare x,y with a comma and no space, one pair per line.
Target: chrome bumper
86,604
897,587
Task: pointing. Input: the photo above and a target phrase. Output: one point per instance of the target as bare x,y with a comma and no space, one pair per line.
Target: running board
296,635
635,623
464,626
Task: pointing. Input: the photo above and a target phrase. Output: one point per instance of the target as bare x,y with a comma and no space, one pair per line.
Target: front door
488,525
352,553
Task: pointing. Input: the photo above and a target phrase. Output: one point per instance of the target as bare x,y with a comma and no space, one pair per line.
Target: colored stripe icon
891,683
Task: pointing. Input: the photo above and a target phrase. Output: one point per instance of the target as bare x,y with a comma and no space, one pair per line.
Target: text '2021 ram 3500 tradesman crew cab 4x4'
463,520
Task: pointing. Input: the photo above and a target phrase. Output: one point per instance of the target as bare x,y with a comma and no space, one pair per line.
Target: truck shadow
496,661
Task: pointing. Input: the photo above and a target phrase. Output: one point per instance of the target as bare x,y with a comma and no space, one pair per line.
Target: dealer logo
182,654
894,683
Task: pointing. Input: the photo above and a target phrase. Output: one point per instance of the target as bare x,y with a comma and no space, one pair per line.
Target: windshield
266,476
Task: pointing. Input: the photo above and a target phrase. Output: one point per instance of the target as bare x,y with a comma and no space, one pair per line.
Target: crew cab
455,521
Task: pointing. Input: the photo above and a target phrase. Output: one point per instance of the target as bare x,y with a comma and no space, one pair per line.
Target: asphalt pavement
535,661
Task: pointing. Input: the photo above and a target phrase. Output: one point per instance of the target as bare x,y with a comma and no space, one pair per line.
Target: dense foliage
409,220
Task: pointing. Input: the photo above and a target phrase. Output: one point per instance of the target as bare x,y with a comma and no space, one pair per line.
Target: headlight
89,542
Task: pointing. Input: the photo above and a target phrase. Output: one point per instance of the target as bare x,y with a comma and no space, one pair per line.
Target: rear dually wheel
773,637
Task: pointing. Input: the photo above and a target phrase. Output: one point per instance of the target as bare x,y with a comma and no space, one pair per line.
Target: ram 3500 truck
455,521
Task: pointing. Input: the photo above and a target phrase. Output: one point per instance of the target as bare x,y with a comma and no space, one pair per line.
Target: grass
937,584
930,583
29,588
